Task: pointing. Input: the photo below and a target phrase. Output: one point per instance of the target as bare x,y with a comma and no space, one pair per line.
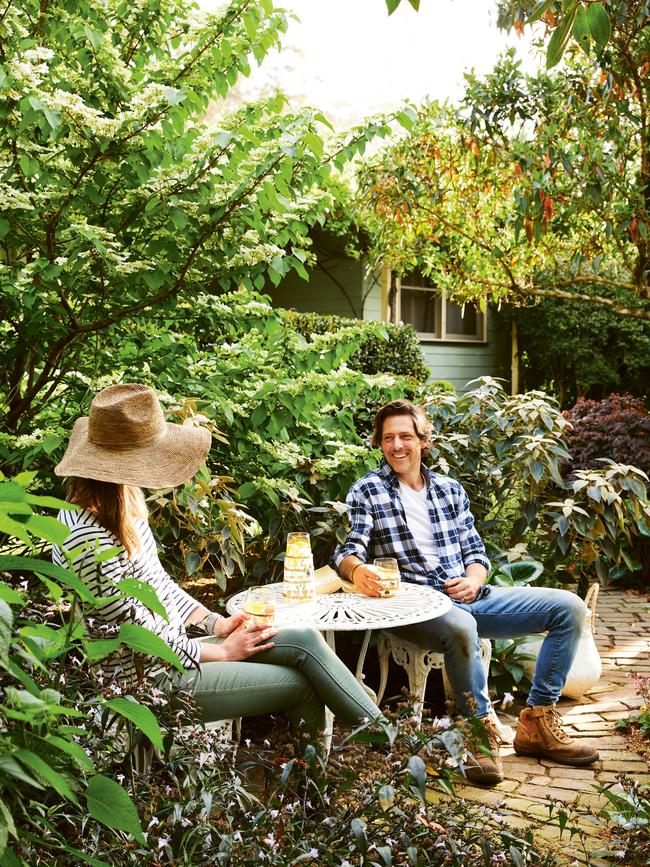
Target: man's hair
417,415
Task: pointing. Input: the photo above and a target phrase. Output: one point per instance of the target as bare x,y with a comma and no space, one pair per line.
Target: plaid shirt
379,527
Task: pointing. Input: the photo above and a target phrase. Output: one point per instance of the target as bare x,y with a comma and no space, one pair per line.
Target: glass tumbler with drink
388,573
299,584
260,605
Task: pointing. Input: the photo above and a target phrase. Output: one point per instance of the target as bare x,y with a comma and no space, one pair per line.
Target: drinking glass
299,584
388,573
260,605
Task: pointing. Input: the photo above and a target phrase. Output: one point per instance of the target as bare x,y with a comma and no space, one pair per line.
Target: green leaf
581,30
73,749
144,641
48,528
418,771
598,22
560,37
9,766
392,5
6,625
192,562
246,490
109,804
53,778
144,593
539,10
141,716
12,563
6,826
8,594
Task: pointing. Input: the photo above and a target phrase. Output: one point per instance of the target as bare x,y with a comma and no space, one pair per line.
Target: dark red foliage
617,427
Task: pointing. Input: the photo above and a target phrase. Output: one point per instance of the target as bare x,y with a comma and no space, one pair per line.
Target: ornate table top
354,611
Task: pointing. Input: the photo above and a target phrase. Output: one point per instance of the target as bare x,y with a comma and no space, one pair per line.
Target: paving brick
609,765
572,773
572,718
547,792
616,714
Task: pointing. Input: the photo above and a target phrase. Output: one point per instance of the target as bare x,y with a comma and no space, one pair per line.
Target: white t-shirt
416,509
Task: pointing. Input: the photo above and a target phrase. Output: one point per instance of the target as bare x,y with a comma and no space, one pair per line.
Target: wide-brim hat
126,440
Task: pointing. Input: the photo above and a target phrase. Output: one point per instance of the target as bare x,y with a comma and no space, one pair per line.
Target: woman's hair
417,415
116,507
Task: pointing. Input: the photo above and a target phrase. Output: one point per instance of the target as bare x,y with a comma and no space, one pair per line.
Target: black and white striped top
87,538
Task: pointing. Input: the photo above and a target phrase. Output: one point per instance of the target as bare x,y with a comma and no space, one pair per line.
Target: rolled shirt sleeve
471,544
358,537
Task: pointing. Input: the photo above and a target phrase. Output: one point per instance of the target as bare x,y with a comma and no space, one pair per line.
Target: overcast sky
349,58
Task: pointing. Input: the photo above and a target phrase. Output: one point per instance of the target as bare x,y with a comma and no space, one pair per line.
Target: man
404,510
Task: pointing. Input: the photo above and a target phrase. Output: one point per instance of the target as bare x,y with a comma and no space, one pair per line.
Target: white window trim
443,337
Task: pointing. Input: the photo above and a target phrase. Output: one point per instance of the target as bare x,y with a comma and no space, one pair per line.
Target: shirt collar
388,473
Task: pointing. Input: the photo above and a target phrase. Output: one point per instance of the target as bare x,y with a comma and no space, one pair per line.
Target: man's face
401,445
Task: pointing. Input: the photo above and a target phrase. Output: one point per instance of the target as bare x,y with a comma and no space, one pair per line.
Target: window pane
419,308
467,325
417,278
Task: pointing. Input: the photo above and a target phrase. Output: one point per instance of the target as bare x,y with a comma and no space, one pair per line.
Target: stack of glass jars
299,584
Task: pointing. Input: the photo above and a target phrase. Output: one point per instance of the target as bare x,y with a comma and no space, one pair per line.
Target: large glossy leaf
144,641
558,41
47,774
599,25
11,563
6,625
144,593
110,804
141,716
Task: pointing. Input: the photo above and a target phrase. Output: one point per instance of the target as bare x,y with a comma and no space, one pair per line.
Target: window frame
441,318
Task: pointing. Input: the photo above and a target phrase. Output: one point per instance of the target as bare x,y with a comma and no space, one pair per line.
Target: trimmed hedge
399,354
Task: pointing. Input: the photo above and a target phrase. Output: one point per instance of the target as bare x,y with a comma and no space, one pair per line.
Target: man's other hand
463,589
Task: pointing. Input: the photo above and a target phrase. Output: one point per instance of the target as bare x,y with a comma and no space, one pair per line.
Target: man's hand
366,580
463,589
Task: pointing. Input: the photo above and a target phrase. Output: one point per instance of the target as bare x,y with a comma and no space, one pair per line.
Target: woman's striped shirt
88,538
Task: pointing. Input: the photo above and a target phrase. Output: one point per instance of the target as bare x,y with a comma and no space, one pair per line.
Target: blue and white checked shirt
379,527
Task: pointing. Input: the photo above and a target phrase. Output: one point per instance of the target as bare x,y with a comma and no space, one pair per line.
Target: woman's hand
226,625
245,640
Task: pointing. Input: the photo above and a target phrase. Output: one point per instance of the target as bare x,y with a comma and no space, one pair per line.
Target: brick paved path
623,639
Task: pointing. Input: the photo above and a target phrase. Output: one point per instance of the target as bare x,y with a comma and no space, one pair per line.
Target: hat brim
169,460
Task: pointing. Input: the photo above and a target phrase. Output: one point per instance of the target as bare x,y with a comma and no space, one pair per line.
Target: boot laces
554,722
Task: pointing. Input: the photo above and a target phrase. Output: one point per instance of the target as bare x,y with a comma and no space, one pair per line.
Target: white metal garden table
347,612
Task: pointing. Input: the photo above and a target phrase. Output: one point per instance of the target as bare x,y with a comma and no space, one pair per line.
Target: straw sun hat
126,440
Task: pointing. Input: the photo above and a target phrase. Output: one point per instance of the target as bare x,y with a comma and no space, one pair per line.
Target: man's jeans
504,612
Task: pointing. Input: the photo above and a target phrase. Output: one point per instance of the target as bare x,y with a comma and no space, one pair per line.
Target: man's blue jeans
504,612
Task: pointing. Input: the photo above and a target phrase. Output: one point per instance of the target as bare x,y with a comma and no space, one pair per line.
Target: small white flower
313,853
507,700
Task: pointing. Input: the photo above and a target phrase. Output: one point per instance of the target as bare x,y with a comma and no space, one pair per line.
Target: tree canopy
116,196
535,186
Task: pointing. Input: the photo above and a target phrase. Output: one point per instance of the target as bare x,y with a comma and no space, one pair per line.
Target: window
433,316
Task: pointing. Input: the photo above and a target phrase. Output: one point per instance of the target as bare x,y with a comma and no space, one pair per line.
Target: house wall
346,287
335,284
458,363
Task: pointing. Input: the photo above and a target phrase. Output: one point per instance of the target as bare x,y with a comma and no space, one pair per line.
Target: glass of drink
388,573
260,605
299,584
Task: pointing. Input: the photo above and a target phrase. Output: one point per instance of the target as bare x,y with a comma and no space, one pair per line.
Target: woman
242,669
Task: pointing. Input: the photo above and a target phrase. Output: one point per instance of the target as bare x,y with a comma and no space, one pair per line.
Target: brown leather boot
482,769
540,734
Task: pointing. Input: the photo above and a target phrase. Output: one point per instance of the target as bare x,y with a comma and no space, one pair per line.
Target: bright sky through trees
351,59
